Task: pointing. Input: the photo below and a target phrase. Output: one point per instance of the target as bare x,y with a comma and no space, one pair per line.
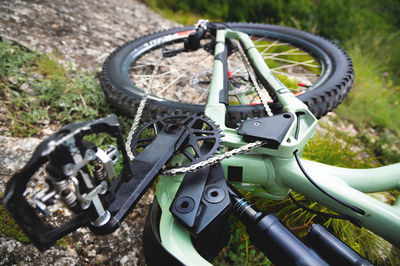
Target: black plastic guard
202,199
271,129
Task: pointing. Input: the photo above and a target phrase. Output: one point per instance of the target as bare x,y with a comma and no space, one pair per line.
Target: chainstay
216,159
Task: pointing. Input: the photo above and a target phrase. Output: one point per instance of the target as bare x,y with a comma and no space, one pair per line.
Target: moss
10,228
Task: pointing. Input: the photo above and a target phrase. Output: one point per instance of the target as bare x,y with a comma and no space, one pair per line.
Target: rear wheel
316,70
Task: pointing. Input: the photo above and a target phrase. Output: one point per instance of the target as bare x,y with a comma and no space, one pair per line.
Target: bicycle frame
276,171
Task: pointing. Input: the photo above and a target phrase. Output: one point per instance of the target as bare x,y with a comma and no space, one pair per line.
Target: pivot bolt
184,204
214,194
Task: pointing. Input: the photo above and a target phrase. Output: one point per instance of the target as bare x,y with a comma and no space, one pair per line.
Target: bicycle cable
325,214
296,156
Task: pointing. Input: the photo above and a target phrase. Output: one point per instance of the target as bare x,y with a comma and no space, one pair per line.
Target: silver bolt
69,169
256,123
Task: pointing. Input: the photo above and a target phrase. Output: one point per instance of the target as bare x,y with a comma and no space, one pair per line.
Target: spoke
294,74
254,97
147,64
181,75
268,46
289,52
296,64
171,83
146,77
259,40
202,95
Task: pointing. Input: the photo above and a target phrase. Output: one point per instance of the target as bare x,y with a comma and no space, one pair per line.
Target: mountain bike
230,107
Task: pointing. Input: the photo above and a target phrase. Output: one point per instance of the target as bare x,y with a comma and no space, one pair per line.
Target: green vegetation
10,228
37,91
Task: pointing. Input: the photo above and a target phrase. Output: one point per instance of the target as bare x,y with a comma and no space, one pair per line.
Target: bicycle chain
139,112
214,160
210,161
254,80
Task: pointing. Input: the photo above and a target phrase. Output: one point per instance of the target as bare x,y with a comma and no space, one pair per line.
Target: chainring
201,144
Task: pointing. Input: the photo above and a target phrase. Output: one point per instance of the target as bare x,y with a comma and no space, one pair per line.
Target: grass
37,91
373,106
180,17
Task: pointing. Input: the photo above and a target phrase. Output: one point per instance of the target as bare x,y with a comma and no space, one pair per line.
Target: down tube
380,217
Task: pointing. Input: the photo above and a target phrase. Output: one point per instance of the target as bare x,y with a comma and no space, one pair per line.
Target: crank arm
144,168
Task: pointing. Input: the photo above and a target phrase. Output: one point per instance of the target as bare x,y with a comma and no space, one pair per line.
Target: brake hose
296,156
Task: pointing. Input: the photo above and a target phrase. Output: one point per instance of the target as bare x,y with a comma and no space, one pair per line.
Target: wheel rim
186,77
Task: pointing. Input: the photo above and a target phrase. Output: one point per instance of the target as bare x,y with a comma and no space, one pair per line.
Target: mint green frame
275,172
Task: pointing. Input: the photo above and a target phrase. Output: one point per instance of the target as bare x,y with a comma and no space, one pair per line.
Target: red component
229,74
301,84
254,103
185,32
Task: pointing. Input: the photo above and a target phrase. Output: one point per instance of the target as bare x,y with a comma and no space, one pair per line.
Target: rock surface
84,33
124,246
